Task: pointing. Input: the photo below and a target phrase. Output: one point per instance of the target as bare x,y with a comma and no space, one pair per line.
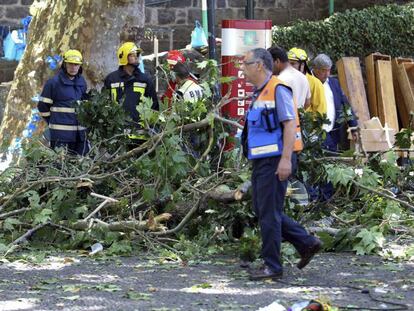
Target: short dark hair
264,56
181,70
278,53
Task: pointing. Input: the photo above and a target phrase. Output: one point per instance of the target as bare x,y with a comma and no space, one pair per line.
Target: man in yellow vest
298,58
268,139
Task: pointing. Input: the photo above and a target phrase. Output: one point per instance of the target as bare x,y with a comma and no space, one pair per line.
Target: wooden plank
371,81
403,113
387,110
352,83
405,75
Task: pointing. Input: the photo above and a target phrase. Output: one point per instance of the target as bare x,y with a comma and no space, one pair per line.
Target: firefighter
128,85
173,58
187,87
57,105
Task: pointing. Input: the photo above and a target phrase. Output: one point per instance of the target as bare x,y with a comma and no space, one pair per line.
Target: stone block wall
12,11
180,15
7,69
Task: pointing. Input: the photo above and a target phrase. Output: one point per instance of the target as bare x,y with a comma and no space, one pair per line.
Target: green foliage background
387,29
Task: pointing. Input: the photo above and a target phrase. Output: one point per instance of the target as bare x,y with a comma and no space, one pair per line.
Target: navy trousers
268,201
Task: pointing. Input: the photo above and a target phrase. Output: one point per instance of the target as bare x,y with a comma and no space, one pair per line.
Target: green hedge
387,29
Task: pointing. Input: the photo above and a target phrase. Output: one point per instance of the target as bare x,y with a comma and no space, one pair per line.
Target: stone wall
7,69
12,11
179,15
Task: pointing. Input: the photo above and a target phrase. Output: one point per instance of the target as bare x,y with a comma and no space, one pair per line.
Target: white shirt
190,91
330,107
299,84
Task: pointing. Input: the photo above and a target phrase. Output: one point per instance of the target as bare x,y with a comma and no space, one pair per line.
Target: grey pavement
74,282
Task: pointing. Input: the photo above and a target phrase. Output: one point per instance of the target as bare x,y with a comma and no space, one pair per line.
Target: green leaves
339,175
354,33
104,119
122,247
10,223
133,295
370,240
43,217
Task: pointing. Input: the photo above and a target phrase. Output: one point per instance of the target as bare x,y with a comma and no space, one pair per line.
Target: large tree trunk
96,28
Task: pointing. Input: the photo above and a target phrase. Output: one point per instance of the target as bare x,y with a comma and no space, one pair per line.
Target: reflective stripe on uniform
264,149
139,87
141,137
62,109
117,84
139,134
114,94
141,84
140,90
61,127
264,104
114,89
45,114
46,100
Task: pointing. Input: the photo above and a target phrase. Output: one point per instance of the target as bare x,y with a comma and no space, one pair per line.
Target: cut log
96,28
154,224
370,61
352,83
387,110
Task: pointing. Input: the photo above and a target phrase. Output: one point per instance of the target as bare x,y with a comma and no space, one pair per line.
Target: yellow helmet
126,49
297,54
73,56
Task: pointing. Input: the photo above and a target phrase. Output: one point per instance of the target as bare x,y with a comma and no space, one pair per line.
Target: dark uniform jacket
338,132
128,90
57,106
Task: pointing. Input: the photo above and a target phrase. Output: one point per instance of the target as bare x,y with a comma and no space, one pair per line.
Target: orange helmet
174,57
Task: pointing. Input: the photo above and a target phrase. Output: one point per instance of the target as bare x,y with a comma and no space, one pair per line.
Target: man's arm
308,94
150,93
287,116
285,165
307,103
45,101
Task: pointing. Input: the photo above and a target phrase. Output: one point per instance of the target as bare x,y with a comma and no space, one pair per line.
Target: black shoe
264,273
307,256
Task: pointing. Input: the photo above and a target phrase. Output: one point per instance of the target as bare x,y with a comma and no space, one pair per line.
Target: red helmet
174,57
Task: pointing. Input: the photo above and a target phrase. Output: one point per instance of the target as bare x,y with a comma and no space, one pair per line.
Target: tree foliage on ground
387,29
180,189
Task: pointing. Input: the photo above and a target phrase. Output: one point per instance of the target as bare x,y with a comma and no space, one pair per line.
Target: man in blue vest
269,137
57,105
339,112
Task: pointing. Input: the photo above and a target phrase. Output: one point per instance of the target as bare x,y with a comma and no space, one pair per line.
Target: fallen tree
181,183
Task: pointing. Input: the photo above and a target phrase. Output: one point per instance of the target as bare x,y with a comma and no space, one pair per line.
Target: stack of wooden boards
390,86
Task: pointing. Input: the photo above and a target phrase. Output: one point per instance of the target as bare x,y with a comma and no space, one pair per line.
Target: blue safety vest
264,132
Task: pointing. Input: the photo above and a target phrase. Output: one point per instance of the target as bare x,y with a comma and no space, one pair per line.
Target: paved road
130,283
